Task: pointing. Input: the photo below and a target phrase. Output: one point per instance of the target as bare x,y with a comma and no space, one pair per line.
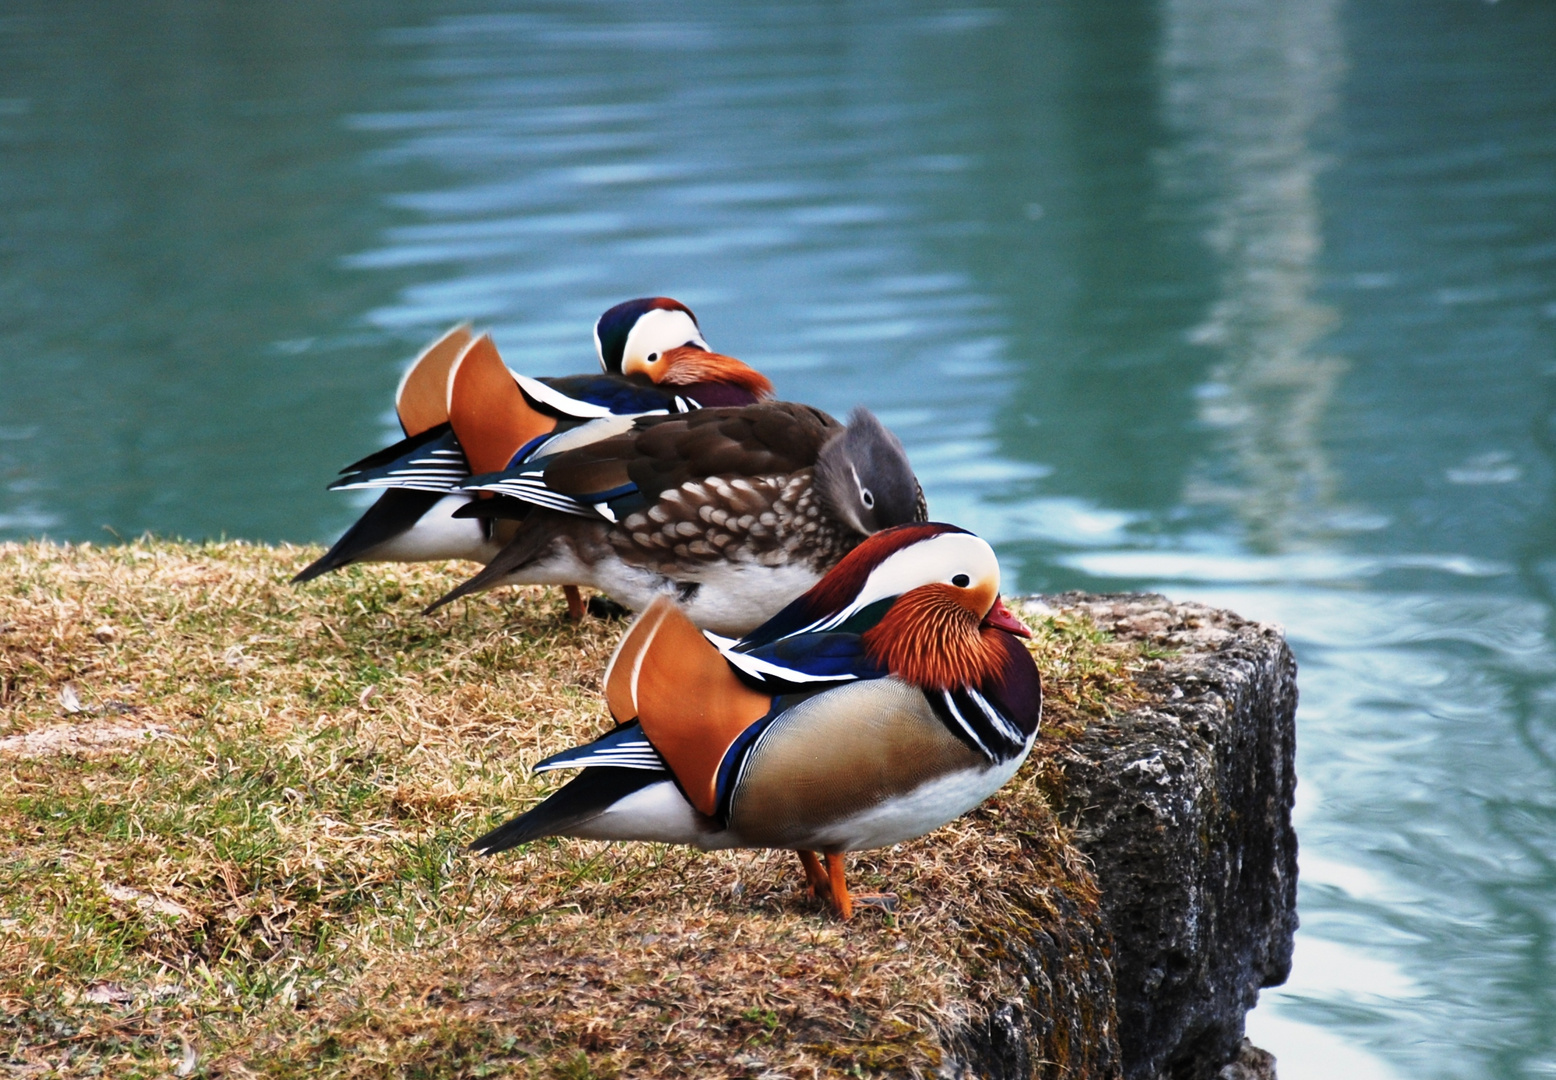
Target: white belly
922,810
731,598
659,813
438,535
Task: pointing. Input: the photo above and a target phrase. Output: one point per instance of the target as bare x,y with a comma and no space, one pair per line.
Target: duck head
636,330
924,599
864,478
947,634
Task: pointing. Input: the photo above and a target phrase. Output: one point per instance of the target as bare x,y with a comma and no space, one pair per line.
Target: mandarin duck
733,511
654,360
888,700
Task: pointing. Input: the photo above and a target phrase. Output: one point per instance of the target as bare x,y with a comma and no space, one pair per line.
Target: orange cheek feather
687,366
930,639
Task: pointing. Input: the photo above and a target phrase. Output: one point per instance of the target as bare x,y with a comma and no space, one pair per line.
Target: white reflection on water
1059,520
1403,909
1227,567
1244,84
1312,1051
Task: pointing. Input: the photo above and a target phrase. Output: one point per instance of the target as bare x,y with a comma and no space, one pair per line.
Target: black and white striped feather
530,487
979,723
624,748
438,465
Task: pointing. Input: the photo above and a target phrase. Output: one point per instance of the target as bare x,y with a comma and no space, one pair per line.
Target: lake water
1249,301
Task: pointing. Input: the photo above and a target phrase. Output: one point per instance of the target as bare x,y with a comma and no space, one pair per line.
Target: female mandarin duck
654,360
734,511
888,700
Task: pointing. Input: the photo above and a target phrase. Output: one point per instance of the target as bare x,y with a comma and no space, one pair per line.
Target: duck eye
867,497
653,356
961,581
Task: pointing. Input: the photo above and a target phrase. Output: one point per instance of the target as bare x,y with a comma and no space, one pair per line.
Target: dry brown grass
267,877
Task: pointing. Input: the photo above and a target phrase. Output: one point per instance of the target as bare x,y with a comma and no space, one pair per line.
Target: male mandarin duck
734,511
654,360
888,700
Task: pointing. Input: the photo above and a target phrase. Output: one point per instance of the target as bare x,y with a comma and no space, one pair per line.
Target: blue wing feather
835,656
803,662
623,395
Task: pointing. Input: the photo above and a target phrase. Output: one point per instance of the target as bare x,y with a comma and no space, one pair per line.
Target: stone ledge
1183,807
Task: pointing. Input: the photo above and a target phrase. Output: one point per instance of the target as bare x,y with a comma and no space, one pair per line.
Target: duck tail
396,510
534,535
585,797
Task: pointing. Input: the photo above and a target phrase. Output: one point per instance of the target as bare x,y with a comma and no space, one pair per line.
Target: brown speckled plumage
766,520
747,506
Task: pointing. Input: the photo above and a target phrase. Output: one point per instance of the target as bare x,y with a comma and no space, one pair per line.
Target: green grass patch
234,813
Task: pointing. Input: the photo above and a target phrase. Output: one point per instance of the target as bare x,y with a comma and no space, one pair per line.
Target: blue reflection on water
1249,301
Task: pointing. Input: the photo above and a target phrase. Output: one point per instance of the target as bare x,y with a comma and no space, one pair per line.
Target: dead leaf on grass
145,901
78,739
107,993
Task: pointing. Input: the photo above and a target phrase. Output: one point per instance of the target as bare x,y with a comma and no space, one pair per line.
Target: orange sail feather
487,409
691,705
422,399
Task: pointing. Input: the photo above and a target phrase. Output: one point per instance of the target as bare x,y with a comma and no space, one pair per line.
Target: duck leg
843,901
575,604
815,875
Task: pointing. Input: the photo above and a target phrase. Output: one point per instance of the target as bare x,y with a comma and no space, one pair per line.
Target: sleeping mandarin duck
654,360
733,511
888,700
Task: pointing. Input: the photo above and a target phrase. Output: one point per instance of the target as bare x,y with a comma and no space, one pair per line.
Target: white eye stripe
658,331
920,564
866,496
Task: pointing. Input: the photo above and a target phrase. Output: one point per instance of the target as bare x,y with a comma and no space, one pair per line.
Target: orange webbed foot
841,899
842,902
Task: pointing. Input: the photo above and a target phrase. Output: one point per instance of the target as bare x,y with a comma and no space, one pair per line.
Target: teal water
1248,301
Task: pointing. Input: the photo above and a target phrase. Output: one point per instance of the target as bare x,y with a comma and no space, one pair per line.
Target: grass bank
232,814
